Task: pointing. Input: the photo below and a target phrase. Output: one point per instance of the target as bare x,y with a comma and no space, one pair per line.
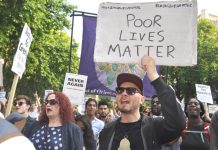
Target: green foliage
106,100
206,71
48,58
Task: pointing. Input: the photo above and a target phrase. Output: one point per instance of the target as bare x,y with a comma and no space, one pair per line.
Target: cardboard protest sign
166,31
204,93
19,62
47,92
74,87
1,72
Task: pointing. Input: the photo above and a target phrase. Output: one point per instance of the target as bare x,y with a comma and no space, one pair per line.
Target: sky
91,6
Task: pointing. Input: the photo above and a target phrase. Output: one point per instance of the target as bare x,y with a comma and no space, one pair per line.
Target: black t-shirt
195,139
132,131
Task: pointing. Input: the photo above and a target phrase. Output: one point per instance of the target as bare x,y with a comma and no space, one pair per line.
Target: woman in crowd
196,135
55,129
88,136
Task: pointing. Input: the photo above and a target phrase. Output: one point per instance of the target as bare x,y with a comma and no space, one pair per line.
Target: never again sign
166,31
74,87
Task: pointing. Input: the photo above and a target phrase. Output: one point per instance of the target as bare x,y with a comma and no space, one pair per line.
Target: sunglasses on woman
51,102
129,90
18,103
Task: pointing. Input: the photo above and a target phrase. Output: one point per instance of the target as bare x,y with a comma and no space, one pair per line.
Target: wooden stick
11,96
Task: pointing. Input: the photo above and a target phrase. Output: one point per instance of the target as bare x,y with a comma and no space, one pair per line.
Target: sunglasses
155,102
51,102
129,90
18,103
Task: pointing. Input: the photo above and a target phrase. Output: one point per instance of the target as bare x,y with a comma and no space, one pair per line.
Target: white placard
19,62
1,72
204,93
74,87
165,30
47,92
2,96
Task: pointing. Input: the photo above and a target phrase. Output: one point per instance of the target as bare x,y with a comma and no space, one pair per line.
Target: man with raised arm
133,130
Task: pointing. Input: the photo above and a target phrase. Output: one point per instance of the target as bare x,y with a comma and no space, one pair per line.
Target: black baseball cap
128,77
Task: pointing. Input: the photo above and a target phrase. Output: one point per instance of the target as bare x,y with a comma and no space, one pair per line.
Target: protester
22,105
133,131
34,111
196,134
11,138
156,112
88,136
55,129
155,106
214,132
147,112
97,125
144,110
75,110
104,112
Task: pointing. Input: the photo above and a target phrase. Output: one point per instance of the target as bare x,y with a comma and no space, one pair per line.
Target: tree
206,71
48,58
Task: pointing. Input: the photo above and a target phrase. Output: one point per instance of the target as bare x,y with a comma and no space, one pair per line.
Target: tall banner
102,76
166,31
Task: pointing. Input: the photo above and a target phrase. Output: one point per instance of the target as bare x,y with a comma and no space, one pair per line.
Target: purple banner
102,76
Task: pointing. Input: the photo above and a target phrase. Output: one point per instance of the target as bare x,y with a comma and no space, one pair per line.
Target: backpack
206,131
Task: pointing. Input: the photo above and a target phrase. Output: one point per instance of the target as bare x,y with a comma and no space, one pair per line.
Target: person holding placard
135,131
196,134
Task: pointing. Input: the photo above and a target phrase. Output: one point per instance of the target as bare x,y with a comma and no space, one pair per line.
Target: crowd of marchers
56,123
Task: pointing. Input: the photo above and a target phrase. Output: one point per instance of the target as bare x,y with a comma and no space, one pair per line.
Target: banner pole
11,96
76,13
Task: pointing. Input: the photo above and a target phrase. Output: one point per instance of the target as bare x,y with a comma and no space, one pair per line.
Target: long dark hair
201,106
88,135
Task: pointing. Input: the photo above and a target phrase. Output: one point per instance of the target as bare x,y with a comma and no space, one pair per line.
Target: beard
124,111
103,115
130,109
